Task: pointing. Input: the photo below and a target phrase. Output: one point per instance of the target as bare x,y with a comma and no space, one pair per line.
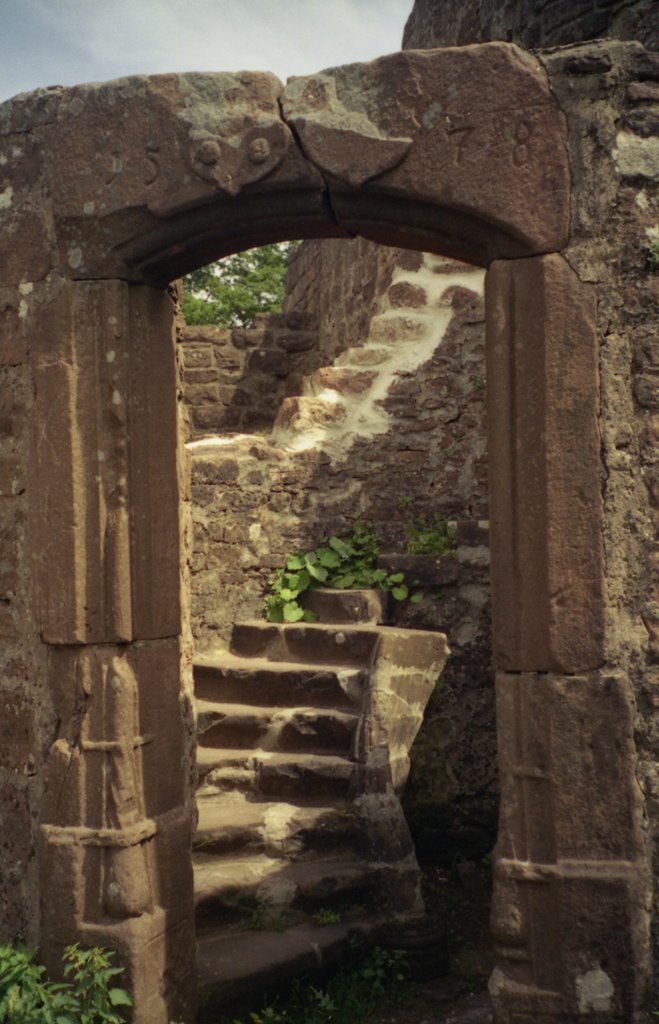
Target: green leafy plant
91,973
262,920
341,562
430,537
86,997
652,256
231,292
327,916
350,997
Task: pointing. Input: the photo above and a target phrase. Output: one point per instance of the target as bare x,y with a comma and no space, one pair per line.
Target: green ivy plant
430,537
341,562
86,997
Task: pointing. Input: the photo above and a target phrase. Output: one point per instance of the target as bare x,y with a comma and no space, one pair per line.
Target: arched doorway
139,181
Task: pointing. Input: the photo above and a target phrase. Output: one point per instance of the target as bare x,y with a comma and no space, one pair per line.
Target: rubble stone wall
235,379
621,136
627,215
531,23
27,710
341,281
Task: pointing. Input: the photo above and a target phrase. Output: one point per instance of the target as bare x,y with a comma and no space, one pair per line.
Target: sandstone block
105,439
571,871
153,147
115,832
337,606
13,348
545,499
16,739
425,149
344,381
226,677
196,355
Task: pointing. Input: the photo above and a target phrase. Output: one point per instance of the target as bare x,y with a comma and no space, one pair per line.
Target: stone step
321,730
308,642
300,414
343,380
239,964
344,606
277,775
227,677
368,355
278,890
395,326
277,829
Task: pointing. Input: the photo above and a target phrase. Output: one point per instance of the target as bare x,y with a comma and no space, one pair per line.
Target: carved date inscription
519,135
522,133
461,134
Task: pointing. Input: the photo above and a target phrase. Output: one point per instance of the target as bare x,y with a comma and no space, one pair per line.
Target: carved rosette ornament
230,163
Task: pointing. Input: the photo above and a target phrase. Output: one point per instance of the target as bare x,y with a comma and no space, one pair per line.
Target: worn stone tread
322,730
349,644
232,964
344,644
235,713
226,825
212,757
279,774
222,675
278,882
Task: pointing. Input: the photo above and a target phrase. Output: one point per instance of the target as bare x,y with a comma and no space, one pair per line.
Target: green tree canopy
232,291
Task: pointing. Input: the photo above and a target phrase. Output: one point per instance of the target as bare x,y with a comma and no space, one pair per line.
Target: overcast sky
64,42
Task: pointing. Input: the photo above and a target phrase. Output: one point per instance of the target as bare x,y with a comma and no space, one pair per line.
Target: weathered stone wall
341,282
531,23
235,379
622,137
416,447
26,722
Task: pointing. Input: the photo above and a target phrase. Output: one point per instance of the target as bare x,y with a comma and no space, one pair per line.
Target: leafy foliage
652,257
341,562
350,997
430,537
86,997
325,916
231,292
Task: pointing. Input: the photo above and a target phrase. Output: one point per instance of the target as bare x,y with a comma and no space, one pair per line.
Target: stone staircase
346,400
304,732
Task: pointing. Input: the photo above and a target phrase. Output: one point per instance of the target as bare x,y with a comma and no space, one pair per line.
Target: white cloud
70,41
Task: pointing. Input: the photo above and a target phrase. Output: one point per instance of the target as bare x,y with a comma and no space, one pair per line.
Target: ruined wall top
138,179
530,23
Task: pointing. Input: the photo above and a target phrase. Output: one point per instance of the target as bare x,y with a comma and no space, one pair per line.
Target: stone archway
111,192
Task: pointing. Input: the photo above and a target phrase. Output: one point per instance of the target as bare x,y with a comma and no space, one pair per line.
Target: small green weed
261,920
431,537
326,916
86,997
350,997
652,264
